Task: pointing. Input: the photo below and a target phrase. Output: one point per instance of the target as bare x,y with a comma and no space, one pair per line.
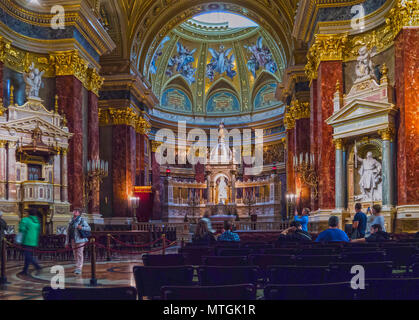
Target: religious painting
157,54
265,97
261,58
177,100
221,63
223,102
181,63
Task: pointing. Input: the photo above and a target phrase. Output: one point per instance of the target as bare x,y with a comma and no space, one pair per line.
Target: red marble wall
69,91
139,158
200,172
407,93
93,146
123,168
157,188
289,159
302,145
314,133
329,73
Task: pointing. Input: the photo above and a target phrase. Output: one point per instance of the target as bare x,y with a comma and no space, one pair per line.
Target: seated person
376,235
202,235
228,235
294,233
333,233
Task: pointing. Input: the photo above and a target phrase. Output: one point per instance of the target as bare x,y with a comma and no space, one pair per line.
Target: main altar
226,191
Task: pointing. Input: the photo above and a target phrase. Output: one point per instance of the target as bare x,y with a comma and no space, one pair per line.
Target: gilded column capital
64,151
326,47
94,81
69,63
155,145
387,134
405,13
295,111
338,144
2,108
3,143
142,126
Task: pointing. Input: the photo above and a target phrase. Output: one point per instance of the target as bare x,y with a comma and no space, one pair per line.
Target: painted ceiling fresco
222,73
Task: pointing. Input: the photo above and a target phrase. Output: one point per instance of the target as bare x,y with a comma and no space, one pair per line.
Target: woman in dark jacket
202,235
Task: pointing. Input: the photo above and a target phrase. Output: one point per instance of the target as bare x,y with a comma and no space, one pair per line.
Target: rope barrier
13,245
133,253
136,246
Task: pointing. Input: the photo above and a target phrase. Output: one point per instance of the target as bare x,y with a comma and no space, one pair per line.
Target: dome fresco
217,68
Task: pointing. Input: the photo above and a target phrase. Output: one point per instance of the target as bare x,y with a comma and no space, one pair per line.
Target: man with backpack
78,231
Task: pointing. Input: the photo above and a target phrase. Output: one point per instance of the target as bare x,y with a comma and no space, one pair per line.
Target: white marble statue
371,180
222,191
33,80
221,153
364,68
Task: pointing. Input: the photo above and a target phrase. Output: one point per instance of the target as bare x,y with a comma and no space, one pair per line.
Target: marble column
340,176
11,165
407,97
57,176
123,168
387,168
139,159
1,80
302,146
329,73
93,143
209,194
157,185
3,168
69,91
314,204
64,176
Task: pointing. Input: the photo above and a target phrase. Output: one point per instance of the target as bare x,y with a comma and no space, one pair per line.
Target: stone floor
117,272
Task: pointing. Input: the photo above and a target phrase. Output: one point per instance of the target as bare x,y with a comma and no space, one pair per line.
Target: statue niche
365,173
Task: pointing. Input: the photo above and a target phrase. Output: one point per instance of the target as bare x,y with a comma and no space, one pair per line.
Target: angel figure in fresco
159,52
181,63
221,63
261,58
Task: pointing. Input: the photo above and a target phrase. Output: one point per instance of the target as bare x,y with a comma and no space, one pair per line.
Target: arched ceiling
209,69
143,24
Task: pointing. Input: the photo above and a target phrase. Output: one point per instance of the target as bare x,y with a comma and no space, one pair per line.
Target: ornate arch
157,21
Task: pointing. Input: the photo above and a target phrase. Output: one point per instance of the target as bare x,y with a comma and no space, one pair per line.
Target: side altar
364,123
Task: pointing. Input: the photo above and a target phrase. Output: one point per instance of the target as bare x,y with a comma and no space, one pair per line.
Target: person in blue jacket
302,218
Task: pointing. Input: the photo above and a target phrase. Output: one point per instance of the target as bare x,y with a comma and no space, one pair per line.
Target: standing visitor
77,232
359,224
29,229
302,218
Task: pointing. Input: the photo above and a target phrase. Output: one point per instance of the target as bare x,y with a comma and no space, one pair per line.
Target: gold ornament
387,134
326,47
155,145
296,111
404,14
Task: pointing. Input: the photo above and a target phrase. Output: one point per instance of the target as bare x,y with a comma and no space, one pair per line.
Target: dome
219,66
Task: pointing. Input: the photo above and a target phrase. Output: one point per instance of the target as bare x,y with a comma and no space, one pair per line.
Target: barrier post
163,236
93,280
108,247
3,279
